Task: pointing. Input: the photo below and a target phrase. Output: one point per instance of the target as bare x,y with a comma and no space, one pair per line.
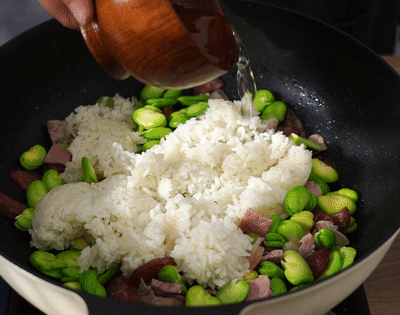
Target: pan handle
47,297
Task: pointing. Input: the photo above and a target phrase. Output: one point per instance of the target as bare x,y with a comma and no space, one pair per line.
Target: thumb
82,10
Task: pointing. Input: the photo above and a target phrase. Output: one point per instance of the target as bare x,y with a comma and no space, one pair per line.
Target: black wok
338,87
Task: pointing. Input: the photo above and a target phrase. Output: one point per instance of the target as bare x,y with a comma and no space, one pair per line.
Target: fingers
70,13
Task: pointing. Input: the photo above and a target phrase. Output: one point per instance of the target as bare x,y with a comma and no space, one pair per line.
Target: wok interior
339,89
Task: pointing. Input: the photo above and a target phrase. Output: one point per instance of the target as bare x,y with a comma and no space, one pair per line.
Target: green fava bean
352,226
325,172
197,296
70,257
79,244
347,192
45,261
262,99
234,292
33,158
149,144
171,274
197,109
23,222
271,270
191,100
52,179
333,203
161,102
251,275
275,221
296,268
90,284
274,240
56,273
172,94
324,186
278,286
149,117
89,174
151,91
70,274
106,276
276,109
35,191
335,265
348,255
297,199
307,142
290,229
73,285
156,133
177,118
305,219
325,238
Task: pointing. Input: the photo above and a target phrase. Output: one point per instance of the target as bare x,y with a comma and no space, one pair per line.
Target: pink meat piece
58,155
322,224
269,124
219,94
318,139
208,87
165,289
260,288
9,207
307,246
148,297
120,288
255,222
57,130
24,177
274,256
320,215
314,188
292,124
256,253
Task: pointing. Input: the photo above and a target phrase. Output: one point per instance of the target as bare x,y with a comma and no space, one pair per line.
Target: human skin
70,13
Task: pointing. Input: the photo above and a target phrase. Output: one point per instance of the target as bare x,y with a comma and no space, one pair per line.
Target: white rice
182,198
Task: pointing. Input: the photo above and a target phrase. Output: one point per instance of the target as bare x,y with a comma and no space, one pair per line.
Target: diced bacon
318,139
307,246
255,222
219,94
9,207
58,155
208,87
120,288
256,253
57,130
342,219
274,256
314,188
24,177
150,269
292,124
260,288
165,289
269,124
148,297
320,215
322,224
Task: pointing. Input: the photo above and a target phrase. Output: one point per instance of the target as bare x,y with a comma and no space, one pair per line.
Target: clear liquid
245,77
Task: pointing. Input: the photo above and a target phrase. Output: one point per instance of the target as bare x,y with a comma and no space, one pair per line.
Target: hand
70,13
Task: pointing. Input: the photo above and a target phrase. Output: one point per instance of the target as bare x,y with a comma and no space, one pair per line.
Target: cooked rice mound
183,198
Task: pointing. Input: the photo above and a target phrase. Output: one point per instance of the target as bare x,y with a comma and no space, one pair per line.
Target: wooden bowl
174,44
